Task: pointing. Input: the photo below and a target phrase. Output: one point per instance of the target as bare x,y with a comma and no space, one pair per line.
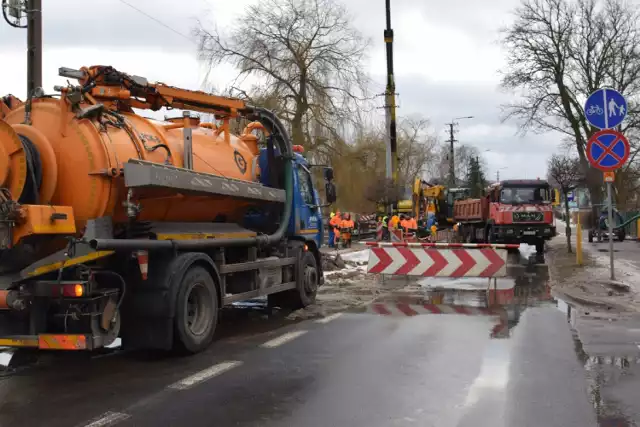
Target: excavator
428,197
424,197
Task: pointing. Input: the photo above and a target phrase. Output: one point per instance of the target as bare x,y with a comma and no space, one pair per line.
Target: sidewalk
590,283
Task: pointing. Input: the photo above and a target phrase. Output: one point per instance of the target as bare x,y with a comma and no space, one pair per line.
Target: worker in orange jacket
348,224
409,223
334,223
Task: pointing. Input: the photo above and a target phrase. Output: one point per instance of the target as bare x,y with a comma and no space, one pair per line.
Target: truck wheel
621,235
196,311
539,246
307,280
590,236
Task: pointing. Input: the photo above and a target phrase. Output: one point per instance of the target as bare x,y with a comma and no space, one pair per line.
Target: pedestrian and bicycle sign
607,150
605,108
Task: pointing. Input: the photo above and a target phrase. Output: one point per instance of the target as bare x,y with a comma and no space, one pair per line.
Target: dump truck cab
522,211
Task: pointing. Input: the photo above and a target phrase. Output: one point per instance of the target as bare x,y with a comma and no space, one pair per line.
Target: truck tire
539,246
307,281
196,314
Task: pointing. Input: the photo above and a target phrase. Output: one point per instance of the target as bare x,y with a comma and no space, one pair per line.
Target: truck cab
306,218
521,211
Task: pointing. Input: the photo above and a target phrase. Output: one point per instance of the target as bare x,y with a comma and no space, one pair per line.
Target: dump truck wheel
539,246
307,280
196,313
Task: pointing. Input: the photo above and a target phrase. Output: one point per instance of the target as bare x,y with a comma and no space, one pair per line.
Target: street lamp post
498,173
452,173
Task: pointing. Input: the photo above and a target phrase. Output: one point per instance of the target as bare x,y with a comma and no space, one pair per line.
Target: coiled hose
31,191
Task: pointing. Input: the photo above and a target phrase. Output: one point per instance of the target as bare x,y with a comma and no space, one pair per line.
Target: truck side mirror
330,191
328,174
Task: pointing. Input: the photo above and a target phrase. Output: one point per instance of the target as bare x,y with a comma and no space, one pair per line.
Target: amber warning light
72,290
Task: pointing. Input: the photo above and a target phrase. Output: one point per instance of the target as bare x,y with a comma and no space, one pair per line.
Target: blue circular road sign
605,108
607,150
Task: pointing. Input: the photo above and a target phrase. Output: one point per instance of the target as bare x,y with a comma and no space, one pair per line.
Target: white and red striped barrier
379,231
500,328
438,259
402,309
396,235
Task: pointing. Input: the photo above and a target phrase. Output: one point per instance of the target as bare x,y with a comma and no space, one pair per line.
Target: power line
156,20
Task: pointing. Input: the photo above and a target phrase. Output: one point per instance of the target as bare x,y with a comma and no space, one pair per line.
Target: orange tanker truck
112,224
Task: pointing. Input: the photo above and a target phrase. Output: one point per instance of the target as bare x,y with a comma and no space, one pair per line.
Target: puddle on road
609,377
503,298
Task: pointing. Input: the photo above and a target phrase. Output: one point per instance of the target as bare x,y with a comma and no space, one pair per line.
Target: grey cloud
101,23
441,102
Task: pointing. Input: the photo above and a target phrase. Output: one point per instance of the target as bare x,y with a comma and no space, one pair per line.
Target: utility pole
34,46
452,164
390,107
13,12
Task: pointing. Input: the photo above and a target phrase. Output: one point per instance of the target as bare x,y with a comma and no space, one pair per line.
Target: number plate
529,232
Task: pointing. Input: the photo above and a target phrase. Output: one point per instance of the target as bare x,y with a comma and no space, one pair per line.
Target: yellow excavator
426,197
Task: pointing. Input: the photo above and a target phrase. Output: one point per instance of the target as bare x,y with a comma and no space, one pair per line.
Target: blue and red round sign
608,150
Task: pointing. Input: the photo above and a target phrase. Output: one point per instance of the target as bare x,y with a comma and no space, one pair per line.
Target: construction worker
334,223
346,228
410,224
395,221
385,227
331,233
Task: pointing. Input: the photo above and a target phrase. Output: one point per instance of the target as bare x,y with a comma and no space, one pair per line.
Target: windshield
525,195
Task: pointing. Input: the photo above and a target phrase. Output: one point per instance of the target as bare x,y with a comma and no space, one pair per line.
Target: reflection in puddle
505,299
603,372
494,373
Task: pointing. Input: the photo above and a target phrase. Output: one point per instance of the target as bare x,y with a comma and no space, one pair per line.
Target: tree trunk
567,221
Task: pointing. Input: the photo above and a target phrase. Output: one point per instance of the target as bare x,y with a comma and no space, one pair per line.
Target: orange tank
82,161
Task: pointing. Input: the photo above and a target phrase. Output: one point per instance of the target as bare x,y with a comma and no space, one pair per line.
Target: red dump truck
512,211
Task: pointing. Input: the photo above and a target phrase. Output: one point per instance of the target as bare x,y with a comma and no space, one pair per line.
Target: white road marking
282,339
329,318
204,375
109,419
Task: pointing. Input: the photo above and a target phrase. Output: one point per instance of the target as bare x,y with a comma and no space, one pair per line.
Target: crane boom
106,84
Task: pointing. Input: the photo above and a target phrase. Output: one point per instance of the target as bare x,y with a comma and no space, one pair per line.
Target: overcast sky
446,59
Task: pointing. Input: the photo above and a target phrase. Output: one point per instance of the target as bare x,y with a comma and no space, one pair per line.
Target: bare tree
560,51
566,174
307,55
382,190
461,161
416,145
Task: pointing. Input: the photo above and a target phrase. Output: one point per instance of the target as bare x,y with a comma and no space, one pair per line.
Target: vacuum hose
275,127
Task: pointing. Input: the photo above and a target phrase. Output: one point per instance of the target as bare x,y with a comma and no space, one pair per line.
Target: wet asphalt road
352,369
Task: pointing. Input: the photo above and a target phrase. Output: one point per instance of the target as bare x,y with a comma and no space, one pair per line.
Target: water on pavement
497,354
